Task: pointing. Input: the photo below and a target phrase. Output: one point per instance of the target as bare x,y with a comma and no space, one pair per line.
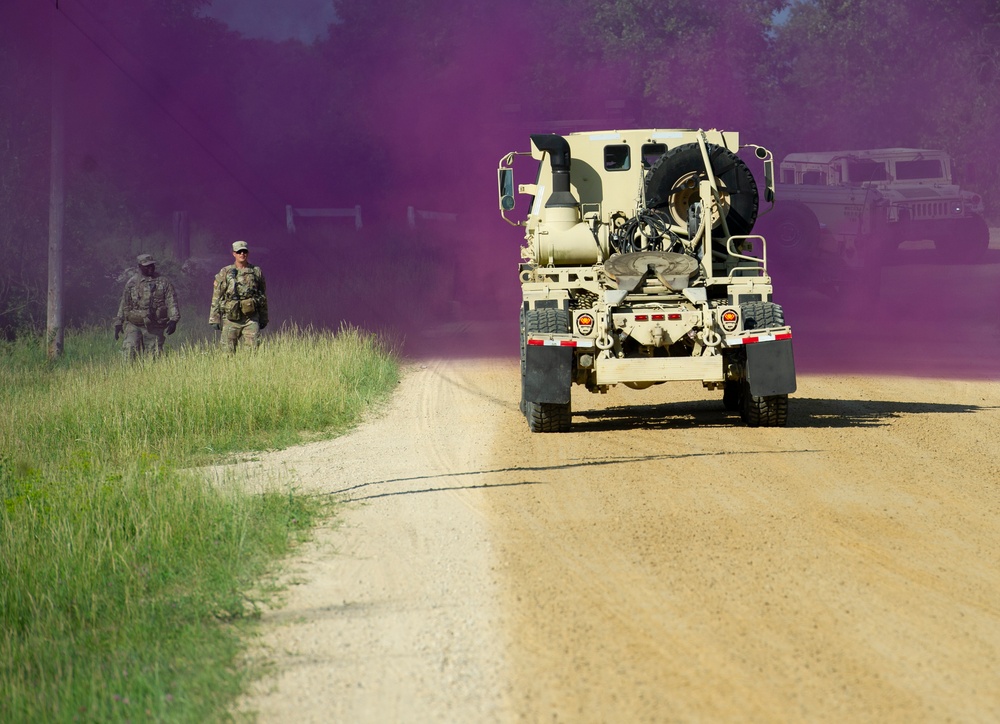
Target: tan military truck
639,267
857,206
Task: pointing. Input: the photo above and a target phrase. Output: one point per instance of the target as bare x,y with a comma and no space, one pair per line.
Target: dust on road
662,562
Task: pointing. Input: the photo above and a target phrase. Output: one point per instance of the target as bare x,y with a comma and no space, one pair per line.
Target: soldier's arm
123,304
173,310
262,306
215,313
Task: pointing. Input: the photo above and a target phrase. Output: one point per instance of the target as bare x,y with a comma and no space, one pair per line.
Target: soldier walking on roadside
239,301
148,310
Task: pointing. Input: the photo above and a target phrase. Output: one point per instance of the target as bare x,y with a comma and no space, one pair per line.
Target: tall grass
123,574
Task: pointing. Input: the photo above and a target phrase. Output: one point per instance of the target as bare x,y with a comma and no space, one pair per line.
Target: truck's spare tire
672,185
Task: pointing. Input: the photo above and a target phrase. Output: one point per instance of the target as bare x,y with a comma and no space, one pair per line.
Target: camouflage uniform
147,309
239,303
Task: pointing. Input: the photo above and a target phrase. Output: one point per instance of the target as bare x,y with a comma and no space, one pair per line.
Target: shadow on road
802,412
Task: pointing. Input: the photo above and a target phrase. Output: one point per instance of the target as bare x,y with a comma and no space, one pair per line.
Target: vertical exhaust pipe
558,149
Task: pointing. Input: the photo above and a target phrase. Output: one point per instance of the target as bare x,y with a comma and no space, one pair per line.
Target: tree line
412,104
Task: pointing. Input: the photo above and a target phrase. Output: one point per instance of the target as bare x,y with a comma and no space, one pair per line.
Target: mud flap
548,374
770,368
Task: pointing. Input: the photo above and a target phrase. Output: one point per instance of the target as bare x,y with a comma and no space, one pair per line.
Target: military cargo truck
639,267
855,207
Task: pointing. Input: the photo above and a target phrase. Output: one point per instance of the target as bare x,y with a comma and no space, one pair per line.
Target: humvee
858,206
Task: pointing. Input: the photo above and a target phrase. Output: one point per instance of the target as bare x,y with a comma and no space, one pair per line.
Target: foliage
412,103
697,65
876,73
128,576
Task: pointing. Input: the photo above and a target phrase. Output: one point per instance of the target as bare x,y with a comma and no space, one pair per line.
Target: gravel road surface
660,563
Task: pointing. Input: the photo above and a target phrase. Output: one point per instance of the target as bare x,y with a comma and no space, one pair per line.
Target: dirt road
660,563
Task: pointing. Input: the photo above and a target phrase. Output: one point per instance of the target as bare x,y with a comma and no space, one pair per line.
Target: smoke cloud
404,112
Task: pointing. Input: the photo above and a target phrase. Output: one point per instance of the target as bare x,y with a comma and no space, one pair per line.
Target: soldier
239,300
148,310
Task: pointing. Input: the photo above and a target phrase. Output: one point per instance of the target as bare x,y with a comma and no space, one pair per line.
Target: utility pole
54,331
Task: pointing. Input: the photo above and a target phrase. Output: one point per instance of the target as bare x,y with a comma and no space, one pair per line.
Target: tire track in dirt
834,578
662,562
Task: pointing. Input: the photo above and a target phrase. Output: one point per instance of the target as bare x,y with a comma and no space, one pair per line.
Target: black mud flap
548,374
770,368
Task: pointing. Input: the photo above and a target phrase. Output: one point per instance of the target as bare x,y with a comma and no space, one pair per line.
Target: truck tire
732,395
771,410
543,416
758,315
666,184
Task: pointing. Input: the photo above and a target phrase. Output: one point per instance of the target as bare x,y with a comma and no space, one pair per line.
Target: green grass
124,575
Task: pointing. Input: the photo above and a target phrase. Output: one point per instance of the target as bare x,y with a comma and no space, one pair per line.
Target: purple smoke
398,107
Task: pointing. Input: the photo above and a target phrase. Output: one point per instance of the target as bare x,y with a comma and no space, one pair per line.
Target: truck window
617,158
929,168
651,153
814,178
860,172
788,175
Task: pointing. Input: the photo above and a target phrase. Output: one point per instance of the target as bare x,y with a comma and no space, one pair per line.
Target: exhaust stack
558,149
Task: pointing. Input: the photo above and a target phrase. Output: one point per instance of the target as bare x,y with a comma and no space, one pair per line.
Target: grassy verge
124,577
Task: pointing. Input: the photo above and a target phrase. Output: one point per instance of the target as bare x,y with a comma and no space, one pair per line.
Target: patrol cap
145,259
240,246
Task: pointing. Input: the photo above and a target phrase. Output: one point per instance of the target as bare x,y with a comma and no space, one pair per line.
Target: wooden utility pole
182,236
54,331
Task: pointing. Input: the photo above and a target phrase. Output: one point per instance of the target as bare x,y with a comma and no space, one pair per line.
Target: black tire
758,315
792,232
732,395
665,187
964,242
544,416
770,411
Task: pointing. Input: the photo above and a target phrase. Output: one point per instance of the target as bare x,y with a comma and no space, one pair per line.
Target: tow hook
710,338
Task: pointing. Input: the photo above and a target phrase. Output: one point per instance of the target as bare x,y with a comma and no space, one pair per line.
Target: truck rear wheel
671,184
732,395
771,411
543,416
759,315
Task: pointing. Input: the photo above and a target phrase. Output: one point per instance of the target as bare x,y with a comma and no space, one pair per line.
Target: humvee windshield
929,168
864,171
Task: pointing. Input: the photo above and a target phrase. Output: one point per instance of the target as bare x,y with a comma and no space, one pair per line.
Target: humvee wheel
965,242
544,416
792,232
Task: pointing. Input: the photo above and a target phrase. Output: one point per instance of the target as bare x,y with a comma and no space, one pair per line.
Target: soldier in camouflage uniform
239,301
148,310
